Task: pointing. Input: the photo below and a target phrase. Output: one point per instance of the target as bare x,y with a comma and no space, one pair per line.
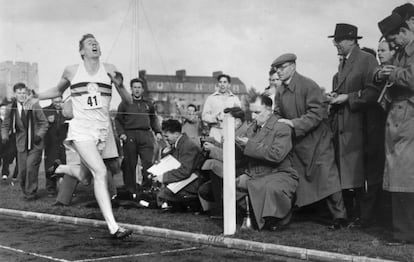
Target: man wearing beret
357,122
299,102
399,136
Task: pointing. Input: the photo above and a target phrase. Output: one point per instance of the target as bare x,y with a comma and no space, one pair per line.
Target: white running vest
91,96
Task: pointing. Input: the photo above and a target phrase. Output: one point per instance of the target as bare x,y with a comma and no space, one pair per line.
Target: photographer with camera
212,190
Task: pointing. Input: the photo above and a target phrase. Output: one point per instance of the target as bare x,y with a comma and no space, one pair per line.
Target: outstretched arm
118,81
53,92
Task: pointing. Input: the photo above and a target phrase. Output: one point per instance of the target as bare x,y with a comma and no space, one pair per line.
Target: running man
90,84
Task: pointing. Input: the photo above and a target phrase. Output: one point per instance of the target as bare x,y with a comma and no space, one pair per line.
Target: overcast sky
239,37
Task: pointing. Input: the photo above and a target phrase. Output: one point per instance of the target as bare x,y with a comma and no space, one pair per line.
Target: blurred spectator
136,124
274,84
55,135
30,127
270,180
191,123
8,150
215,103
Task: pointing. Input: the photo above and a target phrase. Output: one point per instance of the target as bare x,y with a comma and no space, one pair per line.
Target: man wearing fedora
299,102
406,11
356,121
399,136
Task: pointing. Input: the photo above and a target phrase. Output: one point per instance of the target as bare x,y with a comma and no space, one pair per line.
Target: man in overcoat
299,102
399,138
270,179
358,125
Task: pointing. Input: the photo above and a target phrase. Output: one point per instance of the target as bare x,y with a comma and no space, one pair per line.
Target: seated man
212,190
270,181
187,153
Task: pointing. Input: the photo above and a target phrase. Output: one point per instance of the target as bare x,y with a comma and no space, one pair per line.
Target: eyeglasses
282,67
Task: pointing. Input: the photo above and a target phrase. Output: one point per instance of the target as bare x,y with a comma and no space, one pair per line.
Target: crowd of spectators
351,148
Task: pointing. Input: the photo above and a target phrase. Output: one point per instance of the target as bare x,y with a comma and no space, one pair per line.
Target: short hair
192,105
369,51
171,125
266,100
137,80
84,37
382,40
224,75
236,112
19,86
272,71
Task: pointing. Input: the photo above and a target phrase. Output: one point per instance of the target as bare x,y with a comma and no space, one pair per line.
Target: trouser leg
366,201
34,157
66,189
50,158
21,161
336,205
146,153
403,216
130,163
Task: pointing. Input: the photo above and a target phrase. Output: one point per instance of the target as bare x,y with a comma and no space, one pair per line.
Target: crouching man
182,148
270,180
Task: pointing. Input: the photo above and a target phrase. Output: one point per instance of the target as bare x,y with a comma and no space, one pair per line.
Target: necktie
343,62
23,115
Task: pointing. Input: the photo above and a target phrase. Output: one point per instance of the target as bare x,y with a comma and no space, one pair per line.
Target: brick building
180,89
13,72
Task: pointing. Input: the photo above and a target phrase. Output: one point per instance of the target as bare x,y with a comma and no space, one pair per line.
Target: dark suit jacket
187,153
40,127
56,133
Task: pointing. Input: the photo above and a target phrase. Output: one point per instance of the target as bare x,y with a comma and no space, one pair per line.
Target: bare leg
92,159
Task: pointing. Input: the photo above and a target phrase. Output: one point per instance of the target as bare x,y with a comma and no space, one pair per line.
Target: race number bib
93,99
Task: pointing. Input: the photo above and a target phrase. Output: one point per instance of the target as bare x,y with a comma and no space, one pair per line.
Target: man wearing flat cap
357,124
299,102
215,103
399,136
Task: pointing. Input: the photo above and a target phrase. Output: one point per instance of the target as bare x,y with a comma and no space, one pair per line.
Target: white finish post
229,177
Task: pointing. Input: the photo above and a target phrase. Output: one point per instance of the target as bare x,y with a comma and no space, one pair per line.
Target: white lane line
34,254
138,255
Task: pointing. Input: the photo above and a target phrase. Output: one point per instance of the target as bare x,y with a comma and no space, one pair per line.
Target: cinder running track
33,240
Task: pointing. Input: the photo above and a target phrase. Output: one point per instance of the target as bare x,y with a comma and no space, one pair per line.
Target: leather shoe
30,197
338,223
58,204
121,233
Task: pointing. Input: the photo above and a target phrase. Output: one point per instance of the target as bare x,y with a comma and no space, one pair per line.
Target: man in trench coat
299,102
399,138
358,125
270,179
